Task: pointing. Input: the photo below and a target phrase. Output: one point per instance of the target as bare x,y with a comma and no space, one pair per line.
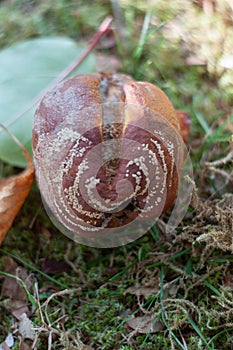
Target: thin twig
102,30
54,295
222,161
18,143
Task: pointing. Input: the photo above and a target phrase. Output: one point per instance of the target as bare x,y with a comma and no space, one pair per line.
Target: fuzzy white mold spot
164,165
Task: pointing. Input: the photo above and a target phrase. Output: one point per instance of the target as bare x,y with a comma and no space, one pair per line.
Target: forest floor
162,291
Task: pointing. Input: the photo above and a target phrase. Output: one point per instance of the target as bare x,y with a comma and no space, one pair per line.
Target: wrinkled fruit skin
84,132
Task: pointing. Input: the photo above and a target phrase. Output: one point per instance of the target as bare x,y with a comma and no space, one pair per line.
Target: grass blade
198,331
30,297
33,268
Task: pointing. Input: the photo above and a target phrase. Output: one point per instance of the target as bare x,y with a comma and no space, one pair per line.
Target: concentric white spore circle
150,167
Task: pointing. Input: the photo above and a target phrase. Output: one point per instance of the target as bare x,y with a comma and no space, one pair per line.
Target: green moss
21,20
98,313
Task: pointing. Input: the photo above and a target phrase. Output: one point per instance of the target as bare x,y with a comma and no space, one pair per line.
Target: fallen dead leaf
4,346
23,345
13,192
141,290
11,288
8,342
145,324
17,308
26,329
52,266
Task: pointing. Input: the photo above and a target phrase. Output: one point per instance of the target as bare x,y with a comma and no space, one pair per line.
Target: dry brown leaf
4,346
52,266
17,308
26,329
145,324
11,288
23,345
8,342
141,290
13,192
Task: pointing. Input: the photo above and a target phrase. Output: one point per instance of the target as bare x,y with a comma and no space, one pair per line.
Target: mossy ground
184,280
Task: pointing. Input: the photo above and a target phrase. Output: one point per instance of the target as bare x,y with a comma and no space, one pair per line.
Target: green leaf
26,69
